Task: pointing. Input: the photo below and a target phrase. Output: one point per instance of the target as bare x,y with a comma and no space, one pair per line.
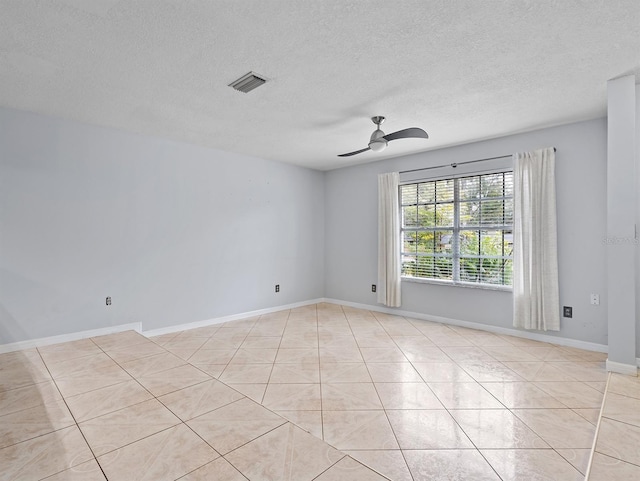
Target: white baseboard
619,367
562,341
74,336
233,317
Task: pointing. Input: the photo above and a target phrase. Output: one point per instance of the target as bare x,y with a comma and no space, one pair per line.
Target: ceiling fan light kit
379,140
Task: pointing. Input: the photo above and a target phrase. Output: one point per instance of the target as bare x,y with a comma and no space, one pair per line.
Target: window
458,230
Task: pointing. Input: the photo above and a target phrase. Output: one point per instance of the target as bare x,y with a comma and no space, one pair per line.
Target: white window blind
458,230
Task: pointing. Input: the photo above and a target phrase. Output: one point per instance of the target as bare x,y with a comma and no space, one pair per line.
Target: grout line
595,435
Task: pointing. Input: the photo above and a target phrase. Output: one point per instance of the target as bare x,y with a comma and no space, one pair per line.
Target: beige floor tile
340,355
252,391
464,395
185,342
292,397
388,462
604,468
538,371
407,395
162,339
295,373
254,356
235,424
467,354
69,350
344,372
212,356
28,397
441,372
169,454
45,455
93,364
584,370
22,368
205,331
174,379
89,471
122,354
299,341
213,370
349,430
425,354
625,385
295,356
579,458
350,397
373,341
114,430
597,385
458,464
510,353
619,440
450,340
119,340
214,344
261,342
34,421
560,428
105,400
573,394
87,382
348,468
521,395
246,373
152,364
382,354
310,421
219,469
622,408
489,371
590,415
393,372
531,464
427,429
199,399
286,453
497,429
344,341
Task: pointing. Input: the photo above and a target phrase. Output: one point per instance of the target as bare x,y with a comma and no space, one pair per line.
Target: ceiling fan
379,140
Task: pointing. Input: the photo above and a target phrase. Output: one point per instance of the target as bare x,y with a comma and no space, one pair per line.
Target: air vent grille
248,82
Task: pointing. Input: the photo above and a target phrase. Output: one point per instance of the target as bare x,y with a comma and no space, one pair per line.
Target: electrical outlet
373,288
595,299
109,301
567,311
277,287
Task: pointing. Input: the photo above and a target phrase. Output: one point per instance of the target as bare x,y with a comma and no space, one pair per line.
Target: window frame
456,229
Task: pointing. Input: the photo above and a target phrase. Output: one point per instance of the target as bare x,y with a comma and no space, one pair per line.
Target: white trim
622,368
74,336
562,341
232,317
595,436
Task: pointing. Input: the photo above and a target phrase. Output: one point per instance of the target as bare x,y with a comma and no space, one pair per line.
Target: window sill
486,287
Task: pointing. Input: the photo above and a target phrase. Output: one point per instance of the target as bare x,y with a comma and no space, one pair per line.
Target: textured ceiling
462,70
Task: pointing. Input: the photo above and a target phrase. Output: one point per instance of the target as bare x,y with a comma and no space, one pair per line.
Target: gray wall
351,230
173,232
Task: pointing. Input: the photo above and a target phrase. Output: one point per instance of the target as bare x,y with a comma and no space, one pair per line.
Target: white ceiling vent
248,82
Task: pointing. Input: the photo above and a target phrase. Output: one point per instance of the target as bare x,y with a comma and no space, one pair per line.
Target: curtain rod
456,164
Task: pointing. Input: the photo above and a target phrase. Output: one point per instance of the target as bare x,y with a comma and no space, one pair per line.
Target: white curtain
536,303
388,240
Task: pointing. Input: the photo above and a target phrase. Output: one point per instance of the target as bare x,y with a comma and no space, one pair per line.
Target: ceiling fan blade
354,153
413,132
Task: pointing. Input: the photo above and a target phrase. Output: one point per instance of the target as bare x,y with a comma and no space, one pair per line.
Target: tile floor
617,447
322,392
